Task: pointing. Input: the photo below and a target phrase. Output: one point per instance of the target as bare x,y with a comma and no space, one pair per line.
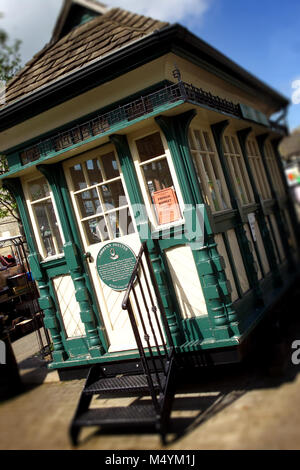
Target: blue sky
263,36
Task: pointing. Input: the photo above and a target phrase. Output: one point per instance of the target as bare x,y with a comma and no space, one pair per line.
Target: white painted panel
186,281
69,307
238,260
223,252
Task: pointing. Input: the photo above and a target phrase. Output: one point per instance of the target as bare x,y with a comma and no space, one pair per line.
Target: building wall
9,227
222,314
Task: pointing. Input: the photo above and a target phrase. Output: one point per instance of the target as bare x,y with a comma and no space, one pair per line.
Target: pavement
255,405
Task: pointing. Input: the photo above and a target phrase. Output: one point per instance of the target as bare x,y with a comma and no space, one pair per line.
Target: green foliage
10,57
10,61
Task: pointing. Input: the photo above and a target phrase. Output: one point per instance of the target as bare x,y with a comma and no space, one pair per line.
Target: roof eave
172,38
232,68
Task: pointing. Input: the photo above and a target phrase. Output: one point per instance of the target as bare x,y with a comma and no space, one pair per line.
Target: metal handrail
152,354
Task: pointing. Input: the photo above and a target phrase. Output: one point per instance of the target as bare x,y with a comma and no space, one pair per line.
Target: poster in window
166,205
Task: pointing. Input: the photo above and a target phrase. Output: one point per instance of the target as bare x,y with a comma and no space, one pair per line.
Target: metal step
124,385
135,415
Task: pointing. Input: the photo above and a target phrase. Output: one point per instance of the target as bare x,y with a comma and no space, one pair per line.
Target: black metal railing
277,127
142,106
149,323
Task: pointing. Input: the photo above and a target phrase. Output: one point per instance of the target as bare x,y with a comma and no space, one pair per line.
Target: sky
260,35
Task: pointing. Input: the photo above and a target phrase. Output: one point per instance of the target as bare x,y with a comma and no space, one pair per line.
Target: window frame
257,168
96,153
197,155
132,139
274,171
40,244
234,167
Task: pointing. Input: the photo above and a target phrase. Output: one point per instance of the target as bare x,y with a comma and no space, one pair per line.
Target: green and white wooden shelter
112,121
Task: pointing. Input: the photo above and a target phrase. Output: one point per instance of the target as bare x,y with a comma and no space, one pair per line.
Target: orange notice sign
166,206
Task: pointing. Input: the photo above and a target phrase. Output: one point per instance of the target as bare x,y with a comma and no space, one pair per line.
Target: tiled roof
93,40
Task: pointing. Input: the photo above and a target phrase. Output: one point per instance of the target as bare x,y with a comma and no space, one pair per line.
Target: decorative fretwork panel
144,105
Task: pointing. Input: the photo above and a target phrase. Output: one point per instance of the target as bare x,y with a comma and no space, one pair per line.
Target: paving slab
233,407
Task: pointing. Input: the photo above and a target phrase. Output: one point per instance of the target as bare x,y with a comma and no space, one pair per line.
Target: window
42,210
273,169
154,166
237,169
100,198
257,168
209,170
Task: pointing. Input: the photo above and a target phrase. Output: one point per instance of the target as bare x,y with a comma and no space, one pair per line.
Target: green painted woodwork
113,128
46,301
282,228
252,114
53,174
115,264
88,117
172,38
247,256
77,15
136,199
168,297
197,330
68,207
144,230
209,263
267,242
14,161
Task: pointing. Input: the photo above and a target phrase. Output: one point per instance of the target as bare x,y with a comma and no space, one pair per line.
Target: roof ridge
101,19
134,14
116,21
40,53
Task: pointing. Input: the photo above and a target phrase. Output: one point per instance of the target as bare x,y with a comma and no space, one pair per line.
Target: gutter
172,38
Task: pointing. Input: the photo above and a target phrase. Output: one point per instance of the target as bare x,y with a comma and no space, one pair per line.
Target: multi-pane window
257,169
100,198
154,167
273,169
42,209
209,169
237,169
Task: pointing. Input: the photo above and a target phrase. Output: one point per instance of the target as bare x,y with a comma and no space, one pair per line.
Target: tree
10,62
10,58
